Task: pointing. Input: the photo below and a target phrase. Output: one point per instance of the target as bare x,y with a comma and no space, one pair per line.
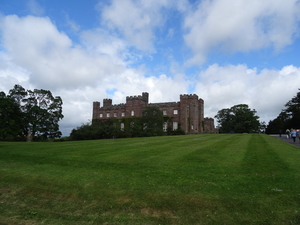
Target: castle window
123,114
101,115
107,114
164,112
122,126
165,125
132,113
115,114
175,111
175,125
192,127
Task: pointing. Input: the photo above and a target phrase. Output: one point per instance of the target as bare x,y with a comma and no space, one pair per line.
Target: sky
228,52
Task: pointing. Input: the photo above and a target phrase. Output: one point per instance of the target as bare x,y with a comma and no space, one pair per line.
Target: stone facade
209,125
188,113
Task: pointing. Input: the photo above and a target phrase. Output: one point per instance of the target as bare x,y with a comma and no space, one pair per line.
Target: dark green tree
278,125
225,119
11,119
288,118
292,110
41,111
152,121
239,119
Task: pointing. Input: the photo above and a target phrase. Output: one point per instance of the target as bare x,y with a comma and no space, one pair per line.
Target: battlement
135,97
114,107
164,104
107,102
189,96
144,97
96,104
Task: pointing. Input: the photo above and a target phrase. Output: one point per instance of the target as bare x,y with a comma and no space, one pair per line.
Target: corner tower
191,114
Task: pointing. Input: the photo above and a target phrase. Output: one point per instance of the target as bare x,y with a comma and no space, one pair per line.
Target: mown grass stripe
193,179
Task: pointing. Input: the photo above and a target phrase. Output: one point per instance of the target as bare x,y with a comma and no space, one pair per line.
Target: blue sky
227,52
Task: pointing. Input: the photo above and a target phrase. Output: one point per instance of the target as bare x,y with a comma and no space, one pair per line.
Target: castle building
188,113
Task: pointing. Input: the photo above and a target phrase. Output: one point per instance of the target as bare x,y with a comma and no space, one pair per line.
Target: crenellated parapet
135,97
107,102
114,107
144,97
189,96
96,104
164,104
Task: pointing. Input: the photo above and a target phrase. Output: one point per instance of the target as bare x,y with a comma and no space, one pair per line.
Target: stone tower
191,113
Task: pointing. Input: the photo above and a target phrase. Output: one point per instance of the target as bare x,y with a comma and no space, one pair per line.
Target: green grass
191,179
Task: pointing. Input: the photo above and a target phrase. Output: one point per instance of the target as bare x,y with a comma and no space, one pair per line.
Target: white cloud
11,73
266,91
37,55
35,8
234,26
160,89
137,20
35,44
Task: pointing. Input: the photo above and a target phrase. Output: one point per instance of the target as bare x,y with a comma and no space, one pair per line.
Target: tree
292,109
289,117
11,118
277,125
41,111
152,121
239,118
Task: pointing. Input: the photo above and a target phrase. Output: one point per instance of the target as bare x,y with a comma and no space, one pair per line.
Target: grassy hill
191,179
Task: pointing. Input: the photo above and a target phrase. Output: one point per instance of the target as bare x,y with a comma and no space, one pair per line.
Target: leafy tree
98,129
41,111
292,110
11,119
289,117
277,125
239,118
152,121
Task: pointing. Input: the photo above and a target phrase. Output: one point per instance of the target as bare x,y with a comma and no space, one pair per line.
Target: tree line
241,119
29,115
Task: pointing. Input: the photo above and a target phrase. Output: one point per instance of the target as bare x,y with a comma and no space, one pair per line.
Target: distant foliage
288,118
150,124
238,119
152,121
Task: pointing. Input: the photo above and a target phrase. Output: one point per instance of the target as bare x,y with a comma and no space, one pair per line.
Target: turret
145,97
107,102
96,106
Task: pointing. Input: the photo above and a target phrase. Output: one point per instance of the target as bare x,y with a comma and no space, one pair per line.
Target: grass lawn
192,179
